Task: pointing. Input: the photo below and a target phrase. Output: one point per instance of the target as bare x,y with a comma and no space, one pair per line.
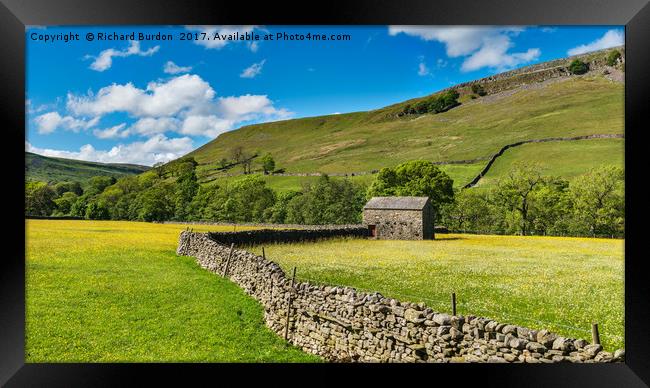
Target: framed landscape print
226,192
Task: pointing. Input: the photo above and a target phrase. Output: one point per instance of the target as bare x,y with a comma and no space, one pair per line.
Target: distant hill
48,169
533,102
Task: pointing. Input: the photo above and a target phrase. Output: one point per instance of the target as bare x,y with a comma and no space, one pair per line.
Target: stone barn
399,218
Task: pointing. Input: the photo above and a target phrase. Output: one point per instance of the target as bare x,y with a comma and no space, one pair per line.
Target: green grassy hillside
462,173
564,158
47,169
365,141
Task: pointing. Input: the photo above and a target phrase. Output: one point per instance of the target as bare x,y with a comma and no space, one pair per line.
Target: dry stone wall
260,236
345,325
596,61
508,146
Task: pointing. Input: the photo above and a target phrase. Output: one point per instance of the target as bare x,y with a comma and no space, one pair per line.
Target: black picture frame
16,14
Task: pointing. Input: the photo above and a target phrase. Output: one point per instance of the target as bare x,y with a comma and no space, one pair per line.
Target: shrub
613,57
65,187
421,107
96,211
414,178
408,109
578,67
435,104
326,201
478,89
39,199
268,163
65,202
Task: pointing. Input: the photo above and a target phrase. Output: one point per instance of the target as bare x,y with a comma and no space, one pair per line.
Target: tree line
524,202
174,194
432,104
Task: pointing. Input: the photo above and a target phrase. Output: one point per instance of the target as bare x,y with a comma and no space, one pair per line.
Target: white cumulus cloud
149,126
104,60
185,104
249,107
158,148
612,38
253,70
172,68
114,132
494,54
158,99
51,121
483,46
253,46
222,33
422,68
210,125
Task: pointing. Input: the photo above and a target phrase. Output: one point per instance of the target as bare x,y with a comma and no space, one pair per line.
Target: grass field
287,183
460,173
561,284
103,291
567,159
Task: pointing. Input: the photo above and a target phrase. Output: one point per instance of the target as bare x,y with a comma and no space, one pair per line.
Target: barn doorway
373,230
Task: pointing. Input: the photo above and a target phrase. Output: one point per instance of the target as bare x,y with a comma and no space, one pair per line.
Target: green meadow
558,283
106,291
113,291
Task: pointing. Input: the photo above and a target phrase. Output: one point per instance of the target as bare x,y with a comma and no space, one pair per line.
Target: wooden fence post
453,303
595,336
286,327
263,253
225,270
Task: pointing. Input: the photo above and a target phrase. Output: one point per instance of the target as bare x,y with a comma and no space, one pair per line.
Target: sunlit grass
566,159
102,291
363,141
460,173
116,292
562,284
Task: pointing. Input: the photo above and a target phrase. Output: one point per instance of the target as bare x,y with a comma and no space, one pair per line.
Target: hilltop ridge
533,102
51,169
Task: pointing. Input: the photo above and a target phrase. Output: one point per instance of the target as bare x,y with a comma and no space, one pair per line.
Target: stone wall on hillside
494,157
346,325
597,61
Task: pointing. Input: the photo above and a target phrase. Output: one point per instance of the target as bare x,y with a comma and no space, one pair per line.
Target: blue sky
148,101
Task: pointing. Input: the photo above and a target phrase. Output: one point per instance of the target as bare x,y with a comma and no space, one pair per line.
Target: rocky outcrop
596,62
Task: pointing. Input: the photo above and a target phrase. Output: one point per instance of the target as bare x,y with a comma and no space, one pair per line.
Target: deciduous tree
515,191
415,178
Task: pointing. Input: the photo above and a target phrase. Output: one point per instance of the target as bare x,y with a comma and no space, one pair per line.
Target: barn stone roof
397,203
